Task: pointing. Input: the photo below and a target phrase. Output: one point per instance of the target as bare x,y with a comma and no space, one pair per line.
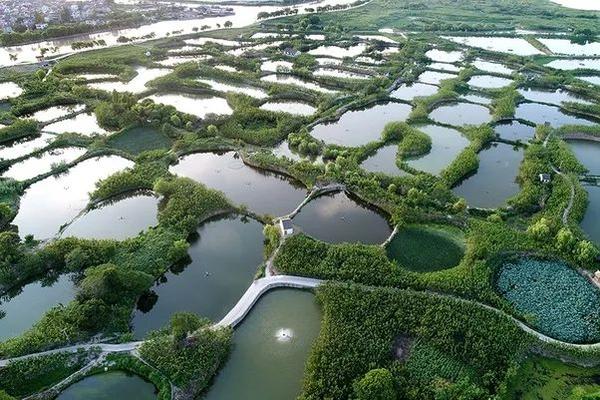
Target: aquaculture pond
338,73
590,223
384,161
515,130
139,139
225,87
446,144
290,107
21,148
339,52
135,85
200,106
488,66
270,349
562,302
110,386
174,61
444,56
337,218
359,127
476,98
542,113
84,124
242,184
489,82
591,79
459,114
118,218
57,199
293,80
9,90
567,47
25,306
566,64
518,46
51,113
444,67
434,77
273,66
224,258
408,91
42,163
555,97
426,248
495,179
283,150
588,153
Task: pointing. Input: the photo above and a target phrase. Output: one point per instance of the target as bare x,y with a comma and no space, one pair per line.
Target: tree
565,239
586,252
460,206
5,211
112,284
182,324
228,24
377,384
540,230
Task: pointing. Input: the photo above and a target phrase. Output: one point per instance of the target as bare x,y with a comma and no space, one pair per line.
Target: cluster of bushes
360,328
554,297
189,352
21,378
19,129
304,143
186,202
505,102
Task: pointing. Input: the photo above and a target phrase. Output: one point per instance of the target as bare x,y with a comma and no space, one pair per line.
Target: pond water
242,184
92,77
459,114
227,68
336,218
542,113
34,166
270,35
488,66
110,386
476,98
224,259
225,87
564,64
85,124
579,4
200,106
434,78
51,113
408,91
258,47
339,52
379,38
337,73
359,127
510,45
174,61
384,161
56,200
590,224
135,85
23,147
203,40
272,66
587,152
495,179
290,107
26,306
270,349
330,61
8,90
566,47
315,36
515,130
555,97
444,56
489,82
118,218
444,67
591,79
446,145
293,80
367,60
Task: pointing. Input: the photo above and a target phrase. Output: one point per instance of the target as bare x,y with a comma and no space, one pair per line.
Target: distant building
545,178
285,224
289,52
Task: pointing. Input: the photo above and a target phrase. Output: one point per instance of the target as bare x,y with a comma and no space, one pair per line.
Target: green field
138,140
426,248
